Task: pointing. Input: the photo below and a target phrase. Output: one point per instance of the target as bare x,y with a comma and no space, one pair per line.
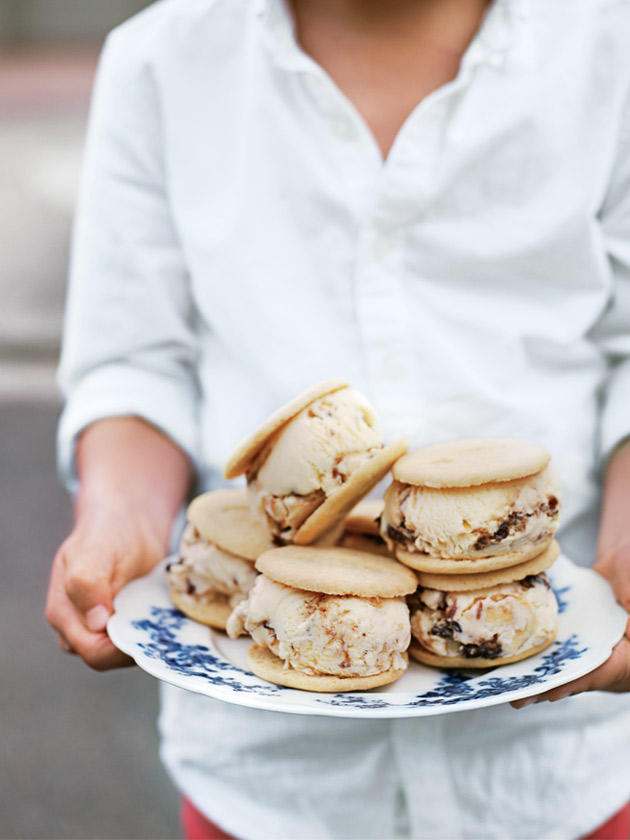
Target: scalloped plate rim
133,606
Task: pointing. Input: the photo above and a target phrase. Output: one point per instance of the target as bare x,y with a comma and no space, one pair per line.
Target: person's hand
133,480
109,546
613,562
613,675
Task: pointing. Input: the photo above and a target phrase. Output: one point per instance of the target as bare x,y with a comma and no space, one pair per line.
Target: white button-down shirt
239,237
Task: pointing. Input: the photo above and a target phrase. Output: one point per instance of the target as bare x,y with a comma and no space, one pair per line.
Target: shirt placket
387,327
386,199
378,276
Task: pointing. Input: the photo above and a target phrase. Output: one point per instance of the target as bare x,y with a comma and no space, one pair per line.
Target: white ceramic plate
179,651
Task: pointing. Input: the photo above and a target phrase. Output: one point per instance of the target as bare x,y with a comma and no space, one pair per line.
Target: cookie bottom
469,565
214,613
425,656
482,580
269,667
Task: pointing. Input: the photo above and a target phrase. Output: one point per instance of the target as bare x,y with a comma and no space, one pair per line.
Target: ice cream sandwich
328,619
312,461
486,619
215,570
471,505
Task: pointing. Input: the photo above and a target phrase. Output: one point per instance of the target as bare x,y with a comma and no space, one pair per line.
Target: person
430,198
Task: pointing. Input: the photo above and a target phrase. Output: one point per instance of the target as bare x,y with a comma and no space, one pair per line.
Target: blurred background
79,749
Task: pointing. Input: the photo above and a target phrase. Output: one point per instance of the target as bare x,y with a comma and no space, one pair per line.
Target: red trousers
197,827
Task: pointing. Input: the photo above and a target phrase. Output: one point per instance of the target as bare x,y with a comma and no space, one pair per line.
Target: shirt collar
498,32
278,31
496,35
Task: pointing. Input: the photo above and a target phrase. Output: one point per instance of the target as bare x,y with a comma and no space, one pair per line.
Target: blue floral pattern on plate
189,660
455,687
177,650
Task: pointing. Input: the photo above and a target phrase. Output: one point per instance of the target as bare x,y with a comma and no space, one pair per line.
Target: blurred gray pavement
78,749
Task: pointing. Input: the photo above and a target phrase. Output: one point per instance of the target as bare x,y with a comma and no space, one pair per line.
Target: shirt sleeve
130,339
613,329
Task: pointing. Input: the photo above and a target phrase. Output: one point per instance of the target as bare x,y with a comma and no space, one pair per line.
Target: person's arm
613,547
611,335
613,562
130,351
133,480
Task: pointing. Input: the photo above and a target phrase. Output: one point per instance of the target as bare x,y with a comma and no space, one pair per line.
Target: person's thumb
88,588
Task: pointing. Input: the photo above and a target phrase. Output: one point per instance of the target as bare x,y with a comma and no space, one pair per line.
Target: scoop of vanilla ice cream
511,617
459,521
204,569
343,636
320,445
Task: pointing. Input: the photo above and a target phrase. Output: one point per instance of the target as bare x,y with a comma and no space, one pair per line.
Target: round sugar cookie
465,565
250,446
337,571
211,611
224,517
468,463
363,518
484,580
337,506
425,656
269,667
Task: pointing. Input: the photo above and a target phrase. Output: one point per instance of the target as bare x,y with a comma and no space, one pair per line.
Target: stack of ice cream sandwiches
476,519
454,573
215,569
329,619
324,616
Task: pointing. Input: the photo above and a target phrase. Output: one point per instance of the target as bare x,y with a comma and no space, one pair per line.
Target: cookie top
339,504
468,463
250,446
337,571
483,580
363,518
224,518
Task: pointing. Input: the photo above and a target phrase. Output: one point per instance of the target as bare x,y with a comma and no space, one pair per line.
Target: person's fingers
615,567
58,607
98,651
613,675
88,586
567,690
79,578
103,553
94,647
64,645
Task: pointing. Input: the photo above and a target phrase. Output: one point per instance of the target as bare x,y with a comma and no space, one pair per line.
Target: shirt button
314,86
343,126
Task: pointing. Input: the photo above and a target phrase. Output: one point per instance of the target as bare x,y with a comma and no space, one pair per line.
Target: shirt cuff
615,424
117,390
